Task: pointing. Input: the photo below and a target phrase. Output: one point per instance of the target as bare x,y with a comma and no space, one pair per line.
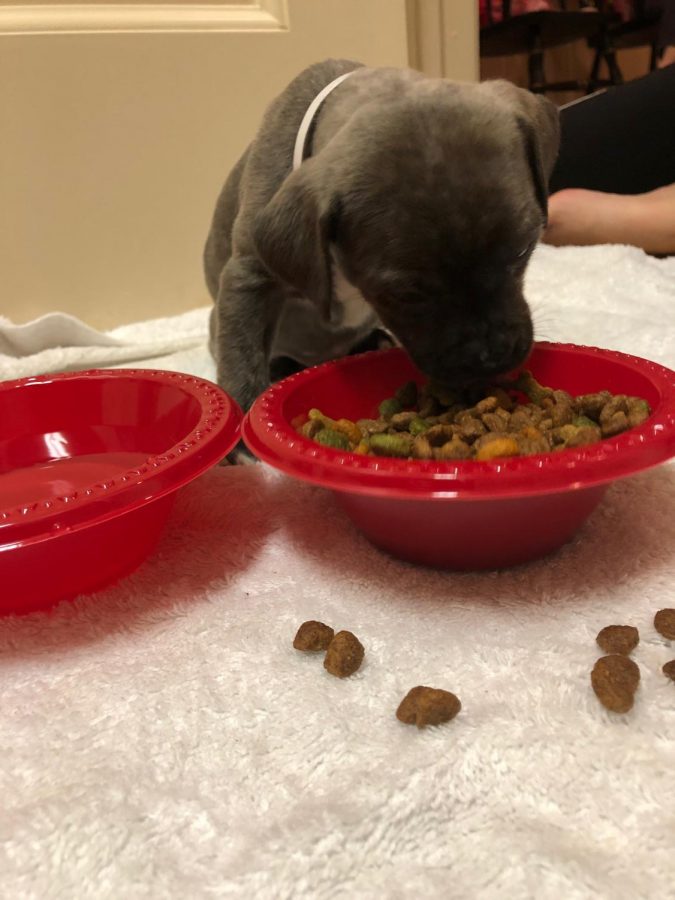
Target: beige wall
121,122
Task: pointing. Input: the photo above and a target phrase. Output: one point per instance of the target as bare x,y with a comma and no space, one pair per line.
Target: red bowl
464,515
90,463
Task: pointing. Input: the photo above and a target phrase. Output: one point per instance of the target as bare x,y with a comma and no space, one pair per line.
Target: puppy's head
431,206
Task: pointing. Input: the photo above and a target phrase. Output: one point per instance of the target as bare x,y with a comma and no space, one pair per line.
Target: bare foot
580,217
667,57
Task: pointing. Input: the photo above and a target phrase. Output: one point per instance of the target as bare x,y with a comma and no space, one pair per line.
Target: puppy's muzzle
476,359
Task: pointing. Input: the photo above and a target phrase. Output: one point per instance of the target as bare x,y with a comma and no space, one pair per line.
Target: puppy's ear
533,155
539,125
537,119
292,236
543,115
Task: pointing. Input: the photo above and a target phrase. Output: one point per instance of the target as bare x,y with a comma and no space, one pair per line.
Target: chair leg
653,57
595,72
535,66
615,74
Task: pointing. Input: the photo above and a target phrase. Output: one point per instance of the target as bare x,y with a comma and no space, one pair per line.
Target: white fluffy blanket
163,739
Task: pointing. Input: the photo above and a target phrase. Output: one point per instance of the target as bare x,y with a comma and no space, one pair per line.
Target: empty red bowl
464,515
90,463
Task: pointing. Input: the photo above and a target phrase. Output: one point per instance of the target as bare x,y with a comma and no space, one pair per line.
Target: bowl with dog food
90,463
507,479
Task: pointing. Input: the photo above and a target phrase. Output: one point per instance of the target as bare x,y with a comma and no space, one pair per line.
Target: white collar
308,118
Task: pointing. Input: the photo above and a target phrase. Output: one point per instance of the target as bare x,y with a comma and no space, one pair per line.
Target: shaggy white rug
163,739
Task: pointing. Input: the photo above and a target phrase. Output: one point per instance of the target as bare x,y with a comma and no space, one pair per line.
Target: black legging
621,140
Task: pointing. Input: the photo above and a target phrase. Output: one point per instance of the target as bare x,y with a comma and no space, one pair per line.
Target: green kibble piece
584,422
389,407
311,428
418,426
407,394
528,384
638,411
331,438
391,444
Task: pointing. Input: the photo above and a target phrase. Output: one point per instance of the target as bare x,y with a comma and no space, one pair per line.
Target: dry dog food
664,622
344,655
424,706
618,639
431,423
615,679
669,669
313,636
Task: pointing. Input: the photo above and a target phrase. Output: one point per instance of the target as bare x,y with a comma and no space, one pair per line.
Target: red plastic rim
213,436
268,433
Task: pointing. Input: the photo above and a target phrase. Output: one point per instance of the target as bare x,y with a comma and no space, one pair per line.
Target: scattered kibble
615,679
313,636
664,622
344,655
424,706
618,639
434,423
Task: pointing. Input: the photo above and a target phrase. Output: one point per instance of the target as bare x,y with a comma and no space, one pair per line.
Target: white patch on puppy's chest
349,309
304,335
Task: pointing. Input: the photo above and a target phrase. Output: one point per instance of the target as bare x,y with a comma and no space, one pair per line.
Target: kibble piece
471,428
669,669
401,421
492,421
350,429
421,448
438,435
499,445
418,426
344,655
454,449
372,426
487,405
399,444
638,411
583,437
618,639
591,405
531,440
313,636
389,407
527,383
329,437
559,408
424,706
664,622
520,418
615,679
311,428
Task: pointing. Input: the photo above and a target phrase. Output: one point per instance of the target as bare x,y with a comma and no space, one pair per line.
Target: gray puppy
414,214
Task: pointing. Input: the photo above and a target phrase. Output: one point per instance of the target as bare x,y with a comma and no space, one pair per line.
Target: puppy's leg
246,313
242,327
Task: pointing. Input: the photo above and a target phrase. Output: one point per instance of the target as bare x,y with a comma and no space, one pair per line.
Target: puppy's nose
505,350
